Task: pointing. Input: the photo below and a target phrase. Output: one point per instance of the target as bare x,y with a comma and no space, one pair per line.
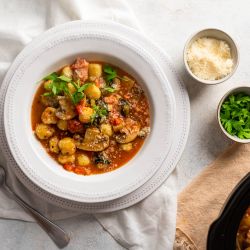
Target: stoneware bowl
218,34
244,89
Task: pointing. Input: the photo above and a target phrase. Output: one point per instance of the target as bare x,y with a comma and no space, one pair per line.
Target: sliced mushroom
126,138
93,140
66,110
49,101
129,132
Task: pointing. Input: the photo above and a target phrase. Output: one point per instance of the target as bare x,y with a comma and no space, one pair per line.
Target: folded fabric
147,225
200,203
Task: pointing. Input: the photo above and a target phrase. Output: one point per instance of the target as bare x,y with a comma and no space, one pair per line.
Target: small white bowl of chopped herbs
234,114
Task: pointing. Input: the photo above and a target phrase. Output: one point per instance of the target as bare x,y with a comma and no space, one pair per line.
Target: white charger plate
181,120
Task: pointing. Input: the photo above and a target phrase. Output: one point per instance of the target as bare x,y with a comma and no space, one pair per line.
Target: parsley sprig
53,76
235,115
59,85
78,95
110,75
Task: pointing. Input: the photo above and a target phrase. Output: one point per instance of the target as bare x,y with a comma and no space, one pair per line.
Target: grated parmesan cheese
210,58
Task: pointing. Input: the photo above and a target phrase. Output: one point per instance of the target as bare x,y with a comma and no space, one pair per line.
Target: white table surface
169,23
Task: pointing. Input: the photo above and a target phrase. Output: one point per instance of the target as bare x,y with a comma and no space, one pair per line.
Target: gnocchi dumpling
44,131
93,92
86,115
106,129
49,116
64,159
83,160
53,145
62,124
67,146
95,70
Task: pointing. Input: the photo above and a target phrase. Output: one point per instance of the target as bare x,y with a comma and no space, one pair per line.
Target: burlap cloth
199,204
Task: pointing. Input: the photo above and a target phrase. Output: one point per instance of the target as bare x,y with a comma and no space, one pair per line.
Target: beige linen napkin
199,204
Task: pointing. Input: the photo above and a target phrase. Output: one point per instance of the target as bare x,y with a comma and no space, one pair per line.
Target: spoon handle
60,238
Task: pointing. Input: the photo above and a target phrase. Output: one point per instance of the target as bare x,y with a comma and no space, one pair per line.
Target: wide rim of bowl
233,138
210,82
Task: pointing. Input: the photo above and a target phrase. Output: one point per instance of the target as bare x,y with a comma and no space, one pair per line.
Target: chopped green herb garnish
109,89
59,85
57,88
235,115
110,73
65,78
48,94
78,95
84,87
53,76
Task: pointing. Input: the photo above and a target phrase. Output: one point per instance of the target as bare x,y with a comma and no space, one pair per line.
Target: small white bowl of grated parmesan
211,56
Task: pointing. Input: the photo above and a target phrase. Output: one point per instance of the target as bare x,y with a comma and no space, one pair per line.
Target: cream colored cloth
199,204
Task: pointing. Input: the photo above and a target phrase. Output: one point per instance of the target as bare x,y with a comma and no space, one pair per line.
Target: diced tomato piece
69,167
80,170
79,108
128,96
116,121
83,102
87,171
75,126
115,118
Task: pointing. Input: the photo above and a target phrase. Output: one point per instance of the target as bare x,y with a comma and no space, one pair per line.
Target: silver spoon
60,238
